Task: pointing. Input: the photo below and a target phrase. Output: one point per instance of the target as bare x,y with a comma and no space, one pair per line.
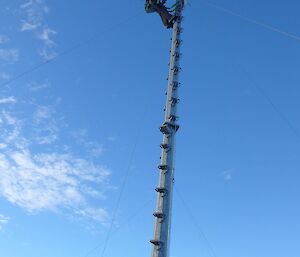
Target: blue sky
71,130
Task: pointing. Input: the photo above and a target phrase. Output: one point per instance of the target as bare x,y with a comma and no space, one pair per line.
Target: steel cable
251,20
68,51
195,224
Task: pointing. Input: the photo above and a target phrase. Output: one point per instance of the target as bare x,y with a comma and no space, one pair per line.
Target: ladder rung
159,215
161,190
165,129
156,242
174,100
168,127
163,167
173,117
175,85
178,42
164,146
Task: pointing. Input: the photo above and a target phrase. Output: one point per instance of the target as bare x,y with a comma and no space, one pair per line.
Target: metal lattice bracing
161,241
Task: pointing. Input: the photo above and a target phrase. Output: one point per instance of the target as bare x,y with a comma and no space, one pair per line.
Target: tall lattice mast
161,241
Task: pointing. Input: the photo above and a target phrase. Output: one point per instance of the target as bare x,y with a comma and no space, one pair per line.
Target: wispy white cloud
38,182
9,56
93,148
47,53
34,20
43,113
28,26
33,86
39,170
58,181
34,14
45,36
46,127
8,100
48,50
3,221
227,174
7,118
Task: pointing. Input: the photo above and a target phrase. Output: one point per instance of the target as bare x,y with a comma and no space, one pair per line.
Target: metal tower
169,128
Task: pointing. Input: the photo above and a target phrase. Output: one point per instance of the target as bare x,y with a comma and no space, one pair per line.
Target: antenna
163,213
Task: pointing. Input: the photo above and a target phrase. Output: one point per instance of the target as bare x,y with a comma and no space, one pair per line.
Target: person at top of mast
159,6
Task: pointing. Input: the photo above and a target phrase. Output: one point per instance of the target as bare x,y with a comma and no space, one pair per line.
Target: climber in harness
166,14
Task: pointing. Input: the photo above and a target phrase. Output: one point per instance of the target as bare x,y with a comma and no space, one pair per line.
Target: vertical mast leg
161,241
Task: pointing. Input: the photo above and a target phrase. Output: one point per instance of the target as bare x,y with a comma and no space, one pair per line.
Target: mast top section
168,15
